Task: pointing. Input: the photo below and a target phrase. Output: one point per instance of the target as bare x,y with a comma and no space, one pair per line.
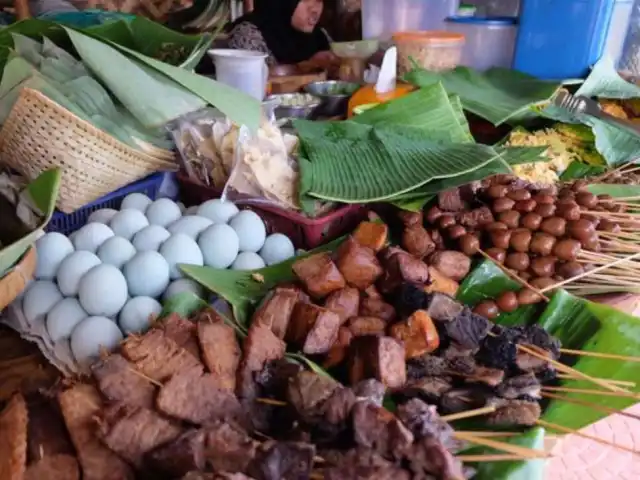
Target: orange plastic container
431,50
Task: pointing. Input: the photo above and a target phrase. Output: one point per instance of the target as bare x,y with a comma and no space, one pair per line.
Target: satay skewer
468,414
513,276
565,369
572,431
625,168
597,269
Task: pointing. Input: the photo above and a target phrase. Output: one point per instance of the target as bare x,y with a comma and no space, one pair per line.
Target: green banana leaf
577,170
243,289
579,324
153,99
498,95
604,81
615,191
238,106
439,115
402,151
43,191
140,34
155,40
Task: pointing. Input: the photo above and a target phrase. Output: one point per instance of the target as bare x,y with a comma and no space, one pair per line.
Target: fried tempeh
157,356
80,405
221,352
13,439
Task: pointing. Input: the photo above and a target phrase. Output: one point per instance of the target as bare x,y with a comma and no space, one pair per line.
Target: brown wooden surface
22,366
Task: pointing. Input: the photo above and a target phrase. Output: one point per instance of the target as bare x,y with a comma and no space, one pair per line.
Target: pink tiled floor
578,458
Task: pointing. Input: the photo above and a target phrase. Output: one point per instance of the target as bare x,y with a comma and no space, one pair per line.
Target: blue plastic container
67,223
560,39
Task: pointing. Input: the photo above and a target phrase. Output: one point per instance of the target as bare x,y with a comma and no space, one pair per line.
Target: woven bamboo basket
14,282
40,134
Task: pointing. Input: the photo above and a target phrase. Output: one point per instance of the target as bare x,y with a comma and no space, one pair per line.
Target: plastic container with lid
432,50
629,63
382,18
620,22
490,42
561,39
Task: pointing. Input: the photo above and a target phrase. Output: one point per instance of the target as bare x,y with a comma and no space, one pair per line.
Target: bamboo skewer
271,401
594,406
468,414
522,452
565,369
597,269
624,168
496,457
611,356
571,431
148,379
620,383
483,434
587,391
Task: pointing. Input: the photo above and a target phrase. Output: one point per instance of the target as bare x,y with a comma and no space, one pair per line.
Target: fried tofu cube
382,358
440,283
319,275
358,264
376,307
338,352
418,333
360,326
372,234
344,302
275,310
312,328
402,267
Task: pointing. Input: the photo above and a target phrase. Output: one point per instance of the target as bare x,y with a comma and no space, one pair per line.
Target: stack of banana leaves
125,93
503,96
404,152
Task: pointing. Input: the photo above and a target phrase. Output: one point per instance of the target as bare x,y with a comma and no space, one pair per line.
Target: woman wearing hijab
286,30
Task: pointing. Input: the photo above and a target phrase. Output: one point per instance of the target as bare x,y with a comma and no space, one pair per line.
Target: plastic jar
431,50
490,42
629,64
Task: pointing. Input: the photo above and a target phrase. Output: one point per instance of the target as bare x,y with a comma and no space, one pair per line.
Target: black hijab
288,45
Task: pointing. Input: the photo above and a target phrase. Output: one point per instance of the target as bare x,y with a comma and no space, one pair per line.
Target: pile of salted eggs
107,279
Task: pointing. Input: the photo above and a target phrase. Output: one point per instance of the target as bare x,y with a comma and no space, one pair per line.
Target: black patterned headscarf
288,45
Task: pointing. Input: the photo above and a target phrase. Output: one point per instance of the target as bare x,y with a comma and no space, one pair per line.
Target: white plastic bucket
242,69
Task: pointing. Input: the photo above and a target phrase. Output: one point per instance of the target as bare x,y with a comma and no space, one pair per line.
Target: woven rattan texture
14,282
40,134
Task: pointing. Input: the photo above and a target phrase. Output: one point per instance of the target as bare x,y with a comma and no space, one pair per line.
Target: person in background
287,31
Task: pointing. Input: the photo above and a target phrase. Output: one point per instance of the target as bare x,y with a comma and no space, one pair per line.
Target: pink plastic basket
304,232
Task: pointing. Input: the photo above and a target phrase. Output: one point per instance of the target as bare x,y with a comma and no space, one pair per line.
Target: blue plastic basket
69,223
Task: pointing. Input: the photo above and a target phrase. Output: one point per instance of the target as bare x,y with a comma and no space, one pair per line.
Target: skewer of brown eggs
544,236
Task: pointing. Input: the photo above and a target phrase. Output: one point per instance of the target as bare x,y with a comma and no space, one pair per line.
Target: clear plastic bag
264,171
206,142
246,167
